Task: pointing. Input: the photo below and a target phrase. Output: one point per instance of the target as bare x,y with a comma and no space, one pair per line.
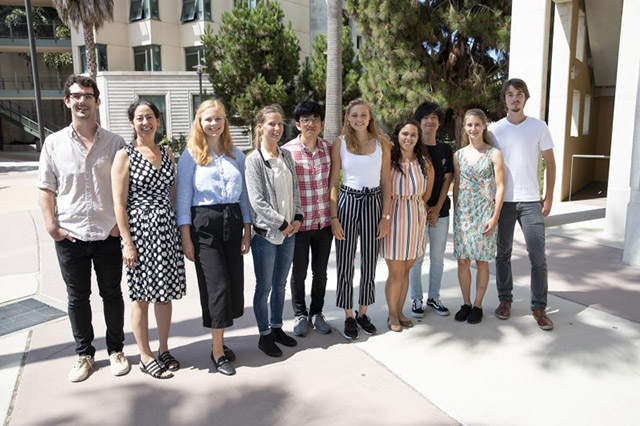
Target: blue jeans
529,216
271,264
437,245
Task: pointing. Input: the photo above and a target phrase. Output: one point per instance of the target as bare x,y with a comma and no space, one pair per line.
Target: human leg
75,266
532,223
437,245
264,255
320,251
393,287
504,276
482,280
283,259
107,262
403,293
349,217
371,215
464,279
299,272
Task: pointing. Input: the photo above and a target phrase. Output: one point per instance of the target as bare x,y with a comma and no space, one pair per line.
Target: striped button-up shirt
312,169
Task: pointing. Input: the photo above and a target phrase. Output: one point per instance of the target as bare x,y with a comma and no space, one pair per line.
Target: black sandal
170,363
155,370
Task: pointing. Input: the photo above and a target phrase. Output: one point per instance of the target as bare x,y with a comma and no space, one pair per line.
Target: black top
442,158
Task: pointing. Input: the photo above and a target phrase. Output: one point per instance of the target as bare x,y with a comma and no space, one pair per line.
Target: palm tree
91,14
333,101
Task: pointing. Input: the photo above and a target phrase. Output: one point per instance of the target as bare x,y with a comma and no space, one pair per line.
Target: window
250,4
101,58
159,101
147,58
575,114
143,9
193,56
195,10
196,100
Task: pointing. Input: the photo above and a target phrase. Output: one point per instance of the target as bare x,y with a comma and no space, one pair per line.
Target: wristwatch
386,216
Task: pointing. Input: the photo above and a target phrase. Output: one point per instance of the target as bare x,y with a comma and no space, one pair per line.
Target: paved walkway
440,372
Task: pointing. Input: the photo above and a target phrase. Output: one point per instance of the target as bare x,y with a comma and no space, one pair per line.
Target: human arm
430,177
298,214
246,239
47,200
434,211
498,170
385,185
120,189
174,168
456,180
257,191
334,189
184,197
187,243
550,181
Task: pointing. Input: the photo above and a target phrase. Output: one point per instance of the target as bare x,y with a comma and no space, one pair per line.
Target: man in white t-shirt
522,139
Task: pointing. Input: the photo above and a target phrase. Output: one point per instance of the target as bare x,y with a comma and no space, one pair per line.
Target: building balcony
20,86
46,37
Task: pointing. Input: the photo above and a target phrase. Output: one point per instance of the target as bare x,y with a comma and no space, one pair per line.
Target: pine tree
453,52
252,61
313,75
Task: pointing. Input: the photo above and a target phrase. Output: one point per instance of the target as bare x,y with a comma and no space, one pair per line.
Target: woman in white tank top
359,208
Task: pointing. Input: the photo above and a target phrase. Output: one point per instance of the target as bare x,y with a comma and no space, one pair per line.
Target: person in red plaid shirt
312,156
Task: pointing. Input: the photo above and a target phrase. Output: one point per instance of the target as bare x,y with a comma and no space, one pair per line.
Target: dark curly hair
422,154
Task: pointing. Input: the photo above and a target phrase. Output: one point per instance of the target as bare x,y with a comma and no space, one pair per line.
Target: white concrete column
623,198
559,87
529,50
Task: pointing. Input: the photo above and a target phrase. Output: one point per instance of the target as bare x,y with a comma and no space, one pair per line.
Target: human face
271,127
430,124
473,127
407,139
212,121
144,123
359,118
83,108
310,126
515,99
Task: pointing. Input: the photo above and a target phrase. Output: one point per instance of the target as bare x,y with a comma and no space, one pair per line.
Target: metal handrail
20,31
18,81
25,116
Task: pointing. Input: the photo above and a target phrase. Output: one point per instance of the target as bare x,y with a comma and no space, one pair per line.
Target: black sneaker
475,316
416,308
268,346
437,306
463,313
365,324
350,329
280,337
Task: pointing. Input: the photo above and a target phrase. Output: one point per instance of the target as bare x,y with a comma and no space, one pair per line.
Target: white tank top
360,171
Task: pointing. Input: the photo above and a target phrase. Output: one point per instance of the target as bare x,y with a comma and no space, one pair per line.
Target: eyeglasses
314,120
78,96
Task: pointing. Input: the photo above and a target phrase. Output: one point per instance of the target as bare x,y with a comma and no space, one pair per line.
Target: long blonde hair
260,117
197,141
483,117
349,134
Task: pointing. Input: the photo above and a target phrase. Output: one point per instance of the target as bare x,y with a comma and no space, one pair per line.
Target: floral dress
159,274
474,207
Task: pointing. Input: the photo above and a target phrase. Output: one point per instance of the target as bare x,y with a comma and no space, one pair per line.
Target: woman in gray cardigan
276,214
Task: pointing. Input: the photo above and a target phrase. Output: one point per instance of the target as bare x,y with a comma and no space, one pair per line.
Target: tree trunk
90,50
333,102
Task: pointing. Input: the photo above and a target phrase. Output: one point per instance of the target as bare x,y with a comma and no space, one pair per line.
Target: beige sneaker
81,369
119,364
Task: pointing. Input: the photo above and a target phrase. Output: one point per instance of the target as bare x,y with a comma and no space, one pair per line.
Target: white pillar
559,87
529,50
623,198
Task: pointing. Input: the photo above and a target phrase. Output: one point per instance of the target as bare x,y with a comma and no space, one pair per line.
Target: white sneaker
81,369
119,364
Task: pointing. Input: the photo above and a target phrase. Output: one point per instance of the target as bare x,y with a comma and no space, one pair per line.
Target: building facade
582,67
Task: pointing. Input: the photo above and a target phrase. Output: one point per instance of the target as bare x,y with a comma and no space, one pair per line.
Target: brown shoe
504,310
543,320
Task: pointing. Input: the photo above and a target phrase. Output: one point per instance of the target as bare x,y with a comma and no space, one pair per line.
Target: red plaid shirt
312,169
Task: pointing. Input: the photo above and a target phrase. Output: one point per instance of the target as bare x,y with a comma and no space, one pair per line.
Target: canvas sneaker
119,364
301,326
417,310
350,329
320,324
81,369
437,306
365,324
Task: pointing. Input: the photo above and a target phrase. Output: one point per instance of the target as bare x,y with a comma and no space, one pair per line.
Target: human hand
288,231
115,231
296,226
188,250
336,228
246,243
546,206
59,234
129,255
489,227
383,228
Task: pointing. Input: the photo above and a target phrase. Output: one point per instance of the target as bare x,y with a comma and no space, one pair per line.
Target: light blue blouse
219,182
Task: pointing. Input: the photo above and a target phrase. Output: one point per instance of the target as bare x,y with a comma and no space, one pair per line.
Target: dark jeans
319,241
529,216
75,264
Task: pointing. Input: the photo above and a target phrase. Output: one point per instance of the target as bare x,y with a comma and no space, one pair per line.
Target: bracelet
333,217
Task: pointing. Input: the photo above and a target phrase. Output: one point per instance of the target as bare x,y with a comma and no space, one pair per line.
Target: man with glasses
74,179
312,156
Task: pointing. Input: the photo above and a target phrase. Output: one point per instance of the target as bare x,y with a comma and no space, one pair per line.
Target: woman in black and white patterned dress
143,177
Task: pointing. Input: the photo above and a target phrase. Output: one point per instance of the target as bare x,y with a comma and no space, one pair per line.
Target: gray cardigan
262,195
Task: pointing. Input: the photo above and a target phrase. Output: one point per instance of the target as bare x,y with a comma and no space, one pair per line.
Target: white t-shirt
521,145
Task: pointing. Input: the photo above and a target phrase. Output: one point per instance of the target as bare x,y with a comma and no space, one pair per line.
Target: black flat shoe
279,336
223,366
231,356
475,316
463,313
268,346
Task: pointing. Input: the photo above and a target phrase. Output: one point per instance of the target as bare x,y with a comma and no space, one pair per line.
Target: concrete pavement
440,372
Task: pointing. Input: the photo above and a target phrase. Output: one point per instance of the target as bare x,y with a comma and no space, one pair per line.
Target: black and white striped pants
359,212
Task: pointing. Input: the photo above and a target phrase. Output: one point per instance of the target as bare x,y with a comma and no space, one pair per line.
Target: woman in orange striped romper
411,184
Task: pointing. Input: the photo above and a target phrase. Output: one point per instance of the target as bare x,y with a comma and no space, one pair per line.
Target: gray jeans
529,216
